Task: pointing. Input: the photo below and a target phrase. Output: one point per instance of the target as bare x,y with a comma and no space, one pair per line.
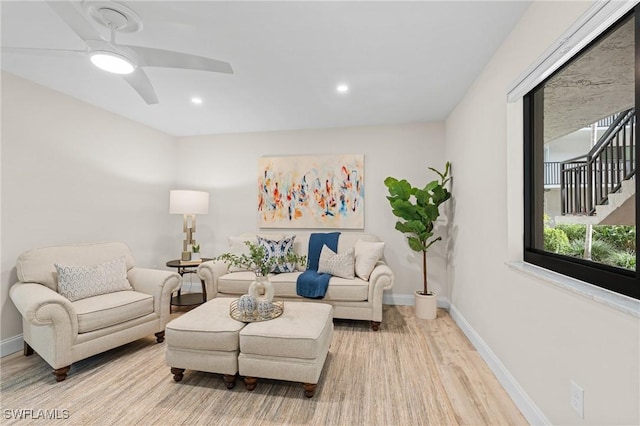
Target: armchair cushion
80,282
37,265
113,308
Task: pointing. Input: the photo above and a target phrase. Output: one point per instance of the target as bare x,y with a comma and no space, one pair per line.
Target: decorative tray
278,308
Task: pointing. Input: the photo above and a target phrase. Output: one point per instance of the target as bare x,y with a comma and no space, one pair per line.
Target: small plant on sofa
258,261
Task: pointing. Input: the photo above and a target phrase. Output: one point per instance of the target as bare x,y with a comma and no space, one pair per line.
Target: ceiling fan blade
42,52
167,58
75,20
141,84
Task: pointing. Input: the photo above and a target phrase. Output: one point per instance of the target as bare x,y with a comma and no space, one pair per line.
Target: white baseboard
11,345
408,300
397,299
530,411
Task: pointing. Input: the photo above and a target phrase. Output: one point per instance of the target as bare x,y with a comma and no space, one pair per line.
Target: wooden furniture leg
160,336
309,389
28,350
204,291
230,380
61,373
250,383
178,373
375,325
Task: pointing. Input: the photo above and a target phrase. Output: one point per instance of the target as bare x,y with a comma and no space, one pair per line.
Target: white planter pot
426,305
195,256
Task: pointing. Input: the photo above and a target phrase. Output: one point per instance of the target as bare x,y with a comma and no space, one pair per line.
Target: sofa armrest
159,284
381,279
209,272
41,306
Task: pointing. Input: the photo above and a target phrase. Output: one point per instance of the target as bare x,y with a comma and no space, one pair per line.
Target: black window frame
619,280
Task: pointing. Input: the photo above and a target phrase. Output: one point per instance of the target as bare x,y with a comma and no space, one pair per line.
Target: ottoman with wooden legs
291,347
205,339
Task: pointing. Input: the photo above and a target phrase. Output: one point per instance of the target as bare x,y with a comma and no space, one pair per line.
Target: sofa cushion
239,282
37,265
237,242
80,282
367,255
284,285
344,290
106,310
338,265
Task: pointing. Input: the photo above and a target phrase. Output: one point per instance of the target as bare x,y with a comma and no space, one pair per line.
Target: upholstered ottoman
205,339
291,347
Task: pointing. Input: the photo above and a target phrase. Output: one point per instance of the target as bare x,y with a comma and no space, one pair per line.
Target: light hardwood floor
411,372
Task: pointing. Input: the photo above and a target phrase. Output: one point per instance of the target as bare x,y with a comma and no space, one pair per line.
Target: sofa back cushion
237,242
346,241
37,265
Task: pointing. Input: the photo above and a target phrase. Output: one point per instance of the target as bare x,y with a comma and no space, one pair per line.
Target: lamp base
186,255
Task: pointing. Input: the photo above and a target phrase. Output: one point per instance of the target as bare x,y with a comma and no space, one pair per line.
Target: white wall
543,335
226,165
75,173
71,172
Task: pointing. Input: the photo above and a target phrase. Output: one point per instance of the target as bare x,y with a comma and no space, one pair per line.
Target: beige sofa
351,298
62,331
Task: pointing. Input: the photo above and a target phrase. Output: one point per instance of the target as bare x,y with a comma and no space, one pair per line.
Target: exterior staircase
619,210
599,188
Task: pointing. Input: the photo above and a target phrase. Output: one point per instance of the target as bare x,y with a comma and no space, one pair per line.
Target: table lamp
189,204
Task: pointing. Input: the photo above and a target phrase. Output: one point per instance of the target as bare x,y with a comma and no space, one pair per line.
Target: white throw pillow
367,255
80,282
338,265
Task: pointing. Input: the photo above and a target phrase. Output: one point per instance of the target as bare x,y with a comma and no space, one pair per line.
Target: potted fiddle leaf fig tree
418,210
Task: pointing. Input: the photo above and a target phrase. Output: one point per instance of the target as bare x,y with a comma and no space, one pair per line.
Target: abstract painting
311,192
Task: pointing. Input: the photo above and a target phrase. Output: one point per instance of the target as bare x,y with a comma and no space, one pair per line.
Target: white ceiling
404,61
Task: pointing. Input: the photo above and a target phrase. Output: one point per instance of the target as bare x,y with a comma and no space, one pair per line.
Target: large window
581,150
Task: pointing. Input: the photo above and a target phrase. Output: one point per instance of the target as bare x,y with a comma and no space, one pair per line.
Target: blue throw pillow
278,249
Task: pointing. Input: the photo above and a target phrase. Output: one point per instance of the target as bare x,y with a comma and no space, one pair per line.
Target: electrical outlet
576,399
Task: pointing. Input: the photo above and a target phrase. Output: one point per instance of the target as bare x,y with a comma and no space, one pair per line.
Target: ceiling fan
126,60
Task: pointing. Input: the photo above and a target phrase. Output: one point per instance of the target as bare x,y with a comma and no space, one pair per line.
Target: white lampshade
188,202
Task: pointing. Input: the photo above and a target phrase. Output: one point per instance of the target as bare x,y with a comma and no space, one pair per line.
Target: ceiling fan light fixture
112,62
342,88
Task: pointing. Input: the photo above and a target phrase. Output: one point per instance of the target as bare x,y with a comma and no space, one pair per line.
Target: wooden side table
189,299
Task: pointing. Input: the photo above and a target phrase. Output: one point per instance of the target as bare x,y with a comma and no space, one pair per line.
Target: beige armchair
63,331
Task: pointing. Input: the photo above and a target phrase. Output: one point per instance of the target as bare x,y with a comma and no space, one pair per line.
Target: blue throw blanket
310,283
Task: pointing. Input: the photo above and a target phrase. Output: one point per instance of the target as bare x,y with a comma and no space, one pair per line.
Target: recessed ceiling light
112,62
342,88
196,100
